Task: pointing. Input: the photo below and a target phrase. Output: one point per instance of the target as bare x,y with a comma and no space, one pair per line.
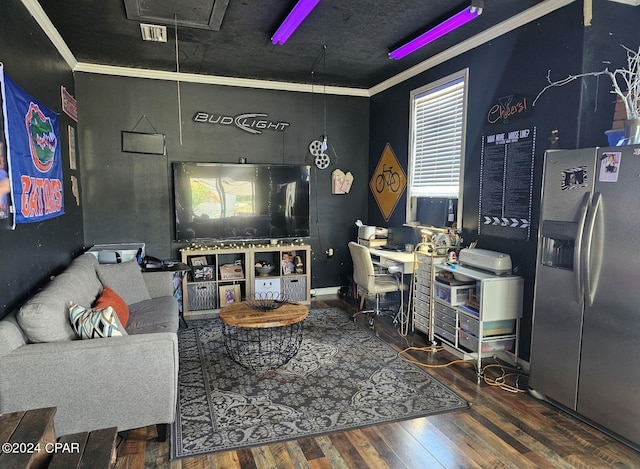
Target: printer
497,262
372,236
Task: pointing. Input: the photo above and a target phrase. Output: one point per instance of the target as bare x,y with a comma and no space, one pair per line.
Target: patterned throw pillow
92,323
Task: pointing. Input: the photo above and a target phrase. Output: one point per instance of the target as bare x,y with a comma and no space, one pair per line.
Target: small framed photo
229,294
203,273
198,261
73,164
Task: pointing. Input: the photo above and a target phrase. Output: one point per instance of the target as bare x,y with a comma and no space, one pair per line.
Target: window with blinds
438,117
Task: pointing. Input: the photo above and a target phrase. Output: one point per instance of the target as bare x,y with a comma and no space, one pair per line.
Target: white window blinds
438,127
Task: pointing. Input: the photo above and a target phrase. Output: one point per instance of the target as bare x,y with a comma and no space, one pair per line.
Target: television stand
224,274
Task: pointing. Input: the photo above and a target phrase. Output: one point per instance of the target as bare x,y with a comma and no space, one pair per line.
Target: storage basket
294,288
202,295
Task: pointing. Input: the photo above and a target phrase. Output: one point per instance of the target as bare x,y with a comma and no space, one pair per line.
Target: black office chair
371,282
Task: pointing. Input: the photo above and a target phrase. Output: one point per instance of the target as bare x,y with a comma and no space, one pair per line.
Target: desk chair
370,281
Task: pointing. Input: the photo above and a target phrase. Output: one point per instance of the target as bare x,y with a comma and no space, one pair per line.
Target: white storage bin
267,287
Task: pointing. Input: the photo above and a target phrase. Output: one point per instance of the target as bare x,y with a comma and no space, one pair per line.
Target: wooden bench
90,450
27,440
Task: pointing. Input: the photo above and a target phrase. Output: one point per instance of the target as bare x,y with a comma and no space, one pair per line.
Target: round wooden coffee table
261,340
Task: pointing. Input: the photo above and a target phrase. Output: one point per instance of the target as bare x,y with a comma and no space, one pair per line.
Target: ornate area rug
343,377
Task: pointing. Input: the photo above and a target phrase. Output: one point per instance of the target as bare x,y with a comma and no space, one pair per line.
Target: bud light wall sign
32,139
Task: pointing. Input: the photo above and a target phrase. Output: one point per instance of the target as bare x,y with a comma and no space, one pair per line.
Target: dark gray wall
613,26
517,63
33,252
127,197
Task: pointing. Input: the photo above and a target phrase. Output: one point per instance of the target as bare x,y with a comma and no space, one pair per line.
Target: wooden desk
404,260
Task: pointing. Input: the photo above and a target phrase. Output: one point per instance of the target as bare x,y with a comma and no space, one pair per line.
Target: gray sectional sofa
127,382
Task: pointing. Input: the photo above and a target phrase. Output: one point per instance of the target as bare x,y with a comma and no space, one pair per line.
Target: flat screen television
224,202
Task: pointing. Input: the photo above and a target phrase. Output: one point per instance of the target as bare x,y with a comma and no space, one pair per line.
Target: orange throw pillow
111,298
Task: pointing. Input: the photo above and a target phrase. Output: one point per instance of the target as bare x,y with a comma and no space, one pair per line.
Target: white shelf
499,298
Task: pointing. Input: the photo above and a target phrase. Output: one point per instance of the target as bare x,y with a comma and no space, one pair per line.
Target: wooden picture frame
229,294
198,261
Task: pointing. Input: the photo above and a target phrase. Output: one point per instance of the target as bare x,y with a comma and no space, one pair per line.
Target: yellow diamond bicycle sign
388,182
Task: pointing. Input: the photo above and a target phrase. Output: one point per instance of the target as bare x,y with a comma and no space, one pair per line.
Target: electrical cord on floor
500,381
428,349
406,320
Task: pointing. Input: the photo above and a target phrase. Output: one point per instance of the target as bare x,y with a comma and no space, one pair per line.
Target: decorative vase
632,131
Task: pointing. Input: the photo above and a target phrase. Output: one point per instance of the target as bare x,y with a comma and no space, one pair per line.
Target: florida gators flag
34,157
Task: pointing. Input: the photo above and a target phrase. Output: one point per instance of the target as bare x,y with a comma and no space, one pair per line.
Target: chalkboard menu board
506,183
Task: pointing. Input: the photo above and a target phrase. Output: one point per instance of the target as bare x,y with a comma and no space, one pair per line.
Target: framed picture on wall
229,294
73,164
198,261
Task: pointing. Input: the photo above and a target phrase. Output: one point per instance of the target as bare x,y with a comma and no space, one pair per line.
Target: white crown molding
498,30
532,14
217,80
54,36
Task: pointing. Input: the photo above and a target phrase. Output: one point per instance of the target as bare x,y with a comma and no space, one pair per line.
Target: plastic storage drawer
423,277
451,295
470,342
445,335
421,323
446,314
421,307
444,326
489,328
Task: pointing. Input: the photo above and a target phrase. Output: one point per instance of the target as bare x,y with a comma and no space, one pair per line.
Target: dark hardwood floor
501,429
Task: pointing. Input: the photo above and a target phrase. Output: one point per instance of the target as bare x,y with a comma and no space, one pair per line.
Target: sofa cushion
11,335
94,323
155,315
109,297
45,316
83,269
125,279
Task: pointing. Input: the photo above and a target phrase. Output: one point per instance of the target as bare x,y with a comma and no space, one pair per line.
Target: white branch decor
629,76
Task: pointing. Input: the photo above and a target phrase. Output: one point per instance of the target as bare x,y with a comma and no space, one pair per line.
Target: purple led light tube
436,32
293,20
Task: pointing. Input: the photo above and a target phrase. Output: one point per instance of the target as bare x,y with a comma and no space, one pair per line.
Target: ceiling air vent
153,32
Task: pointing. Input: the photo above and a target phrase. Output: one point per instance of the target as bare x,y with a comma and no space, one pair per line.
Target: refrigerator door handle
591,276
577,256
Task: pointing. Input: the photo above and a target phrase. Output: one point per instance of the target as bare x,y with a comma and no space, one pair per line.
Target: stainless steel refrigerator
585,351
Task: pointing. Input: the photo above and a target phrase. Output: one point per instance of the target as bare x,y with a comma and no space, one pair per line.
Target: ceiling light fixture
440,30
293,20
